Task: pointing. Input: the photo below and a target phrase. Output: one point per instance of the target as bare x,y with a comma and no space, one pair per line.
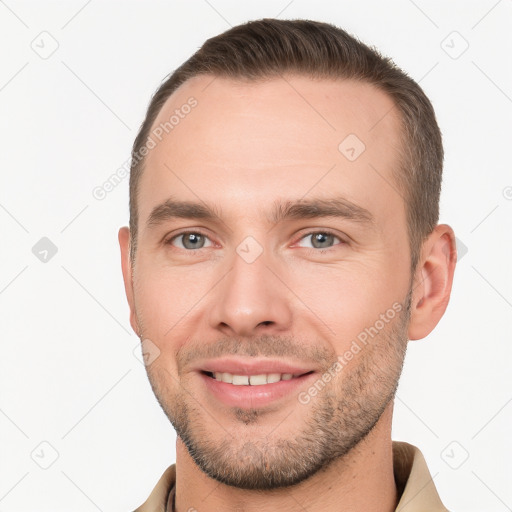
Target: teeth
257,380
253,380
240,380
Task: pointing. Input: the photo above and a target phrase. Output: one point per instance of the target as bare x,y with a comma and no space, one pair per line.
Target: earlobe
433,281
126,266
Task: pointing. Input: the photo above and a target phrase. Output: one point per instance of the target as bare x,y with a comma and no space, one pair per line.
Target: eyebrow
281,211
172,209
312,208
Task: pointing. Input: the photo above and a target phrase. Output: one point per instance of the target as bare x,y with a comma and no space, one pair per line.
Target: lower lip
249,397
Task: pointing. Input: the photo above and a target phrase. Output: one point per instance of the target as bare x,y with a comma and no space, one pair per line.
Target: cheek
165,304
154,301
165,293
345,301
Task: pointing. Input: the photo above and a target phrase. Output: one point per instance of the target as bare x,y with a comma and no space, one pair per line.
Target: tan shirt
413,482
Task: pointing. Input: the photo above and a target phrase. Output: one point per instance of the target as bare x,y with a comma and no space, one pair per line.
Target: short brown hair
268,48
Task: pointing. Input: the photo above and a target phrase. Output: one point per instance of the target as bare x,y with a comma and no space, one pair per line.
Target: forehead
244,143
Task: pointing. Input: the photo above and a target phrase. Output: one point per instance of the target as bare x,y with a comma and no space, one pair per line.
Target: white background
68,373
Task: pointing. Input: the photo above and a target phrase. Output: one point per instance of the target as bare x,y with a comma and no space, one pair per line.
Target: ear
126,265
433,279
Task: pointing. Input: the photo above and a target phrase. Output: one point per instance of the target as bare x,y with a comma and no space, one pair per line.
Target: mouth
252,383
253,380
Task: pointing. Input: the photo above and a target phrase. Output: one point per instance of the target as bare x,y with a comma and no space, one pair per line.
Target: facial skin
245,148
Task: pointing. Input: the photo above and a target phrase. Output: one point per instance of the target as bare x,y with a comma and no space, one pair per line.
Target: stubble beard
340,417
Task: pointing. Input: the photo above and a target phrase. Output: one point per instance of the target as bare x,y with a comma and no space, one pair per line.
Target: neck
362,480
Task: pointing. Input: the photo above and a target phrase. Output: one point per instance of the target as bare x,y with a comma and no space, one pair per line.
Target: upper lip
252,366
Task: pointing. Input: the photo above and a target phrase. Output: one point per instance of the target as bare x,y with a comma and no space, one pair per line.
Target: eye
320,240
190,240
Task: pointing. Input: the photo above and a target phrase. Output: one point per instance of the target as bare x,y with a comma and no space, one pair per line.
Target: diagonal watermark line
74,218
13,76
417,81
491,80
492,211
195,400
96,300
3,412
280,423
295,499
11,489
88,497
330,330
380,119
13,279
206,1
308,102
501,409
508,508
13,13
206,497
428,72
82,418
317,182
307,192
284,8
403,403
424,14
388,182
76,14
87,87
200,199
14,218
424,278
208,84
414,497
493,287
486,14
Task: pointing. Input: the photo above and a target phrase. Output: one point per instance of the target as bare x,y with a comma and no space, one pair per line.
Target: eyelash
169,241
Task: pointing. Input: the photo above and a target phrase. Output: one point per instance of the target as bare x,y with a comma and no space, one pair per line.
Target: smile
255,387
252,380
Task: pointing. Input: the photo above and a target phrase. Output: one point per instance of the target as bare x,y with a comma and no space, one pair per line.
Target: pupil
193,240
321,240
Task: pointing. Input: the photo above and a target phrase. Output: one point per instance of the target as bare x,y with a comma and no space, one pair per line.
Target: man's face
265,287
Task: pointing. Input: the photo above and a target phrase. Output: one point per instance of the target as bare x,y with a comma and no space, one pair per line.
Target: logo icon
44,454
455,455
454,45
351,147
147,352
249,249
44,250
45,45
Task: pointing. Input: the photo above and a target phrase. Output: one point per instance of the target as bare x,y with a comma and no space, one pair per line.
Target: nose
251,300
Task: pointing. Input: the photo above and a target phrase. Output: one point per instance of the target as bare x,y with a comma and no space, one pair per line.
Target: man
283,248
